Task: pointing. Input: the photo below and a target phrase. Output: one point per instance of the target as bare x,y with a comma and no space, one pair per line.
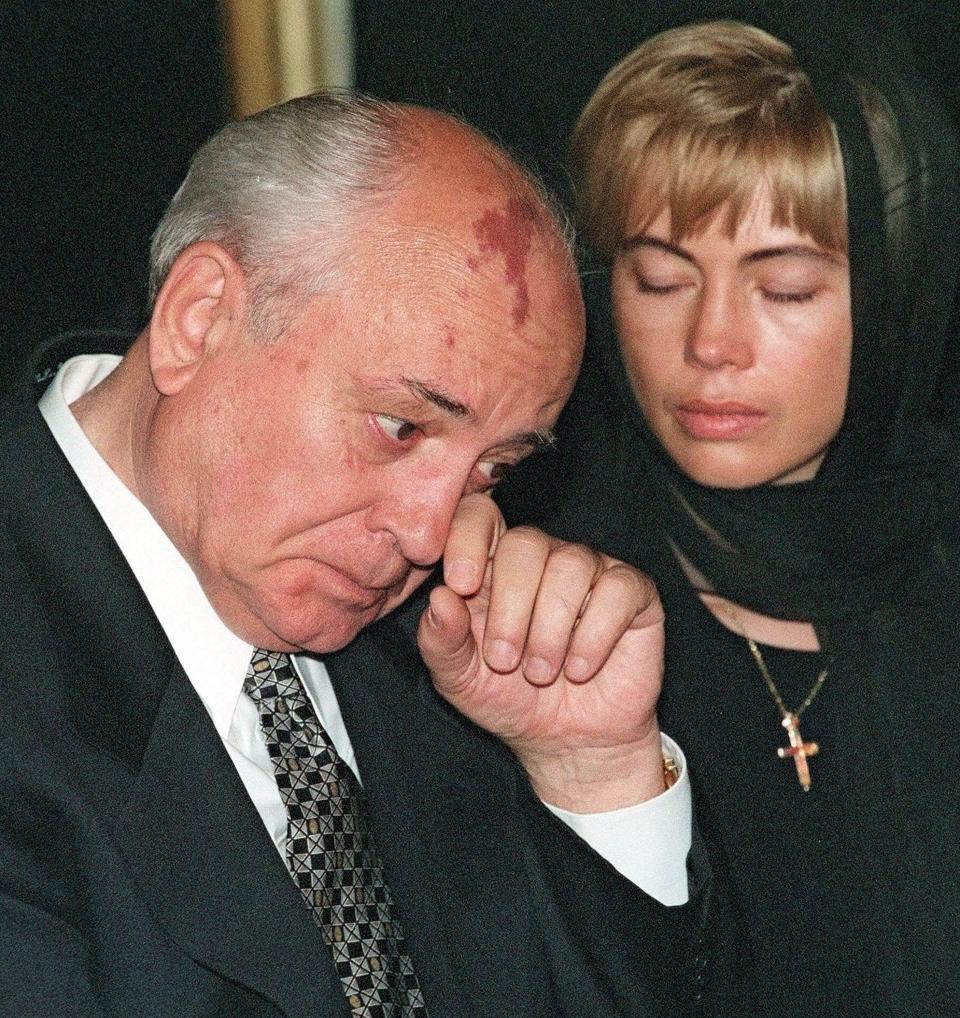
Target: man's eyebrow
544,439
439,399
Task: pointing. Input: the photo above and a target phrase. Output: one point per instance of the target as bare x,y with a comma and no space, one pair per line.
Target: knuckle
631,582
476,500
574,558
524,539
570,606
477,509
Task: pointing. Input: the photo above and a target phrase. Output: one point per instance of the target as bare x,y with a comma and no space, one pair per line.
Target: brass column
277,49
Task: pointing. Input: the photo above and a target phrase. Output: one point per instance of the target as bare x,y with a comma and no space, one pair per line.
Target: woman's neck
762,628
747,623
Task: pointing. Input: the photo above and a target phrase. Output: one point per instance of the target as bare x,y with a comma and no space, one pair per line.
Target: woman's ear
202,302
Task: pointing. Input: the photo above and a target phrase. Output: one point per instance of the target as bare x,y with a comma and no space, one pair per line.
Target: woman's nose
722,333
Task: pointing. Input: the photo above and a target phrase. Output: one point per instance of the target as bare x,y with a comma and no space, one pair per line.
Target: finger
446,642
622,598
515,580
568,578
474,534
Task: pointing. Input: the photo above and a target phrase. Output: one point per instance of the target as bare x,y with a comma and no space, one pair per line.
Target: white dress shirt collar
212,656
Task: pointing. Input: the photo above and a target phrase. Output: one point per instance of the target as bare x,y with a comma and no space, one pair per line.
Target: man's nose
722,332
419,513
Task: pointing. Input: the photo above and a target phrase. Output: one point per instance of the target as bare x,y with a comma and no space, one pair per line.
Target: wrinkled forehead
485,254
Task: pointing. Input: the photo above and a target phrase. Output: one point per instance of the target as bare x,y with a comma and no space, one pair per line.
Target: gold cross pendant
798,749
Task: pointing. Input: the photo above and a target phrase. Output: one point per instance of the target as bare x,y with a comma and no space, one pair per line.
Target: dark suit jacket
136,877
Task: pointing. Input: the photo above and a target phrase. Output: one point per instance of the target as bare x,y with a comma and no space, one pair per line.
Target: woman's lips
719,421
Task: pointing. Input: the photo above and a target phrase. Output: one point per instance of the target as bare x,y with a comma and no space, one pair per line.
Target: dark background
103,103
523,70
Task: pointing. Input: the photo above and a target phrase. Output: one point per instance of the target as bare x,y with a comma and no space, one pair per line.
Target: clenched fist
555,649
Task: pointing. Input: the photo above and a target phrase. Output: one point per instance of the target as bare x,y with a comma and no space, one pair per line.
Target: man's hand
555,649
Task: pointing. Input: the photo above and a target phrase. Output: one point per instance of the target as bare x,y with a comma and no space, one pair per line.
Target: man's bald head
287,190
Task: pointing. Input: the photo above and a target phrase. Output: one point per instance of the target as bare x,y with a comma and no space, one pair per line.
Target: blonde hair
694,120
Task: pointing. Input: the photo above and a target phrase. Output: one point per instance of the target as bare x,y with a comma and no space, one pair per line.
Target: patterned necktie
331,854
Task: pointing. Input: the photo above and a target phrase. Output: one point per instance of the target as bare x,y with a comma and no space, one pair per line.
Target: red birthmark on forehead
508,233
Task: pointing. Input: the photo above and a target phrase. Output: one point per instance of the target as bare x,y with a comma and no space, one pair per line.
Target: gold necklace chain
772,686
798,750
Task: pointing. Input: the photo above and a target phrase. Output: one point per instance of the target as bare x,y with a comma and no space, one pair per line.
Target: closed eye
646,286
661,279
786,297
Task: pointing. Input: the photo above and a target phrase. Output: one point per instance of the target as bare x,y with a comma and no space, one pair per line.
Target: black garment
136,877
852,891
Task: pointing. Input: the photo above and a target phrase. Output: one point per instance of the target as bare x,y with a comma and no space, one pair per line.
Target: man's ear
202,303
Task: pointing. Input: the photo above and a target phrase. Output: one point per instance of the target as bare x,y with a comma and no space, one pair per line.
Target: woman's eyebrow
790,251
645,240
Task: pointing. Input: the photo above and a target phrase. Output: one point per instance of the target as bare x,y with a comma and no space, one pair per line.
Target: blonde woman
768,428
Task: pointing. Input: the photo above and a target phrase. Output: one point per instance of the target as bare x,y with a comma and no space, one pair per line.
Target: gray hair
280,190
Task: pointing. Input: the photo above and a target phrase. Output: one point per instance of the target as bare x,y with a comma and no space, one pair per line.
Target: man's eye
395,428
493,471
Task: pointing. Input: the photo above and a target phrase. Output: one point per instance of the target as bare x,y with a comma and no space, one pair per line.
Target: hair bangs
697,176
703,120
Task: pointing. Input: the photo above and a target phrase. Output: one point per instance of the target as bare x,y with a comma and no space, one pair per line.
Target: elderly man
363,314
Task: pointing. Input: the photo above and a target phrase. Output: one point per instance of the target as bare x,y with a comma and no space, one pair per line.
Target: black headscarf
865,528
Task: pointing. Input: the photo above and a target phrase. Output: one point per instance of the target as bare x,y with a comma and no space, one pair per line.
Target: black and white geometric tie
330,850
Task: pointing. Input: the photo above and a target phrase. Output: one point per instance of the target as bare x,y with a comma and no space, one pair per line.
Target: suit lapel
451,852
209,871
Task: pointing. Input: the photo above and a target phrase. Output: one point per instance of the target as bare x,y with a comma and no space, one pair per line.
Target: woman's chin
714,472
715,469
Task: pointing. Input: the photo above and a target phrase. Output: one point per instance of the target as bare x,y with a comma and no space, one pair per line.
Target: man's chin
272,628
327,630
332,634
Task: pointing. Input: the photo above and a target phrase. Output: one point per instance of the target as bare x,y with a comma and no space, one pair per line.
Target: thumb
447,644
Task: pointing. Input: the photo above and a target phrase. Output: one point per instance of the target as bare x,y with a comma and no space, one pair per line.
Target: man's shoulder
23,436
28,377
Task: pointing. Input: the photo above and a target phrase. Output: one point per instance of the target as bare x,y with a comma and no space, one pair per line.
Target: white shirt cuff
647,843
